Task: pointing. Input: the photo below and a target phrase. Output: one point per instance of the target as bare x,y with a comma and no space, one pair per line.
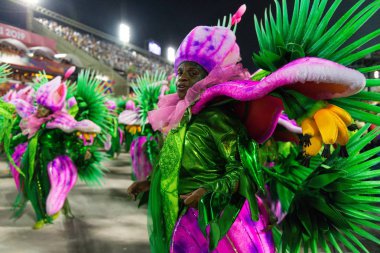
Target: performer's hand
192,199
138,187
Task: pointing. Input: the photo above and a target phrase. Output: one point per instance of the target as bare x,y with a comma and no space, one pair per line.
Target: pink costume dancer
49,168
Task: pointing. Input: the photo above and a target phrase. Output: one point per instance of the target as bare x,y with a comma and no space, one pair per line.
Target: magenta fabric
62,121
140,163
121,135
130,105
302,72
69,72
52,95
26,94
245,235
171,109
9,96
22,100
299,74
24,108
209,46
130,117
17,156
71,102
58,120
236,18
111,105
290,125
63,176
32,123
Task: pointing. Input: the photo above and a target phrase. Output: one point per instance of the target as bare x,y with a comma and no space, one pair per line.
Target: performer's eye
194,73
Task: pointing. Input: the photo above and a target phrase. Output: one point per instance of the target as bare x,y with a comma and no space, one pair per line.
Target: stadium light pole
124,33
171,54
30,4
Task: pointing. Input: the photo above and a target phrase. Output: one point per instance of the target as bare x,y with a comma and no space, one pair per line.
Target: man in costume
115,139
57,142
208,161
144,146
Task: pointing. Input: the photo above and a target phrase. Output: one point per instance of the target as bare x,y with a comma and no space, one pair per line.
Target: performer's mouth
181,87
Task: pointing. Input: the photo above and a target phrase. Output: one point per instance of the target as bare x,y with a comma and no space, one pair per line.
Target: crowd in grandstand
116,56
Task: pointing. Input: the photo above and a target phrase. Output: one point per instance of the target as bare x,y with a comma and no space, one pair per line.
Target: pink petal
239,13
69,72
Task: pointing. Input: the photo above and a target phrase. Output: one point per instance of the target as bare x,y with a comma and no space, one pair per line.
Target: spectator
115,56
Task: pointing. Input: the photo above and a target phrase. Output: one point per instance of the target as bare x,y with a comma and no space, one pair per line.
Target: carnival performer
63,133
116,137
209,160
144,146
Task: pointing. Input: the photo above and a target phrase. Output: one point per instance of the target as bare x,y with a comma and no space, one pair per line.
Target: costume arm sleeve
225,134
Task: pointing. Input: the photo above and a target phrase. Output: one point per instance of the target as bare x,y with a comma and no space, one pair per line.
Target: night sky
164,21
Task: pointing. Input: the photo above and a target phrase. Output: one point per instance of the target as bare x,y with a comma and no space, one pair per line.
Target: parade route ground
106,220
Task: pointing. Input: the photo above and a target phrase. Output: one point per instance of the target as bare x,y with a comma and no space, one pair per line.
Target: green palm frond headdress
91,100
147,89
309,33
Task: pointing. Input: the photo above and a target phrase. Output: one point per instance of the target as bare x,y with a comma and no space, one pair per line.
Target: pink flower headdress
216,50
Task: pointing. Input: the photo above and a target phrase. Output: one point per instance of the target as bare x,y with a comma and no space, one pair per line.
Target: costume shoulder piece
303,74
306,70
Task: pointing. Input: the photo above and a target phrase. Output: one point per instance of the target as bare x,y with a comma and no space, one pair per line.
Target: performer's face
188,74
42,111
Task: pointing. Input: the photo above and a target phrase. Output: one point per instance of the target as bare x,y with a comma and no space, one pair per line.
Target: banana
326,123
342,114
309,127
314,148
343,136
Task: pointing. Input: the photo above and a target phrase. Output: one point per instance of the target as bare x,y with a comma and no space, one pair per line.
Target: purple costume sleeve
17,156
63,175
140,163
245,235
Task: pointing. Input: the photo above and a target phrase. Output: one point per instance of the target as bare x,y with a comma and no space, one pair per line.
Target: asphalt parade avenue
106,220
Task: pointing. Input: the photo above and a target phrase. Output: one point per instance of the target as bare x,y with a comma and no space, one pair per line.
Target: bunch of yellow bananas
133,129
328,126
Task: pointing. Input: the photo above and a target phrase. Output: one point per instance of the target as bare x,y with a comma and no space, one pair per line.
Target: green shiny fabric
42,149
203,153
163,205
210,156
8,122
